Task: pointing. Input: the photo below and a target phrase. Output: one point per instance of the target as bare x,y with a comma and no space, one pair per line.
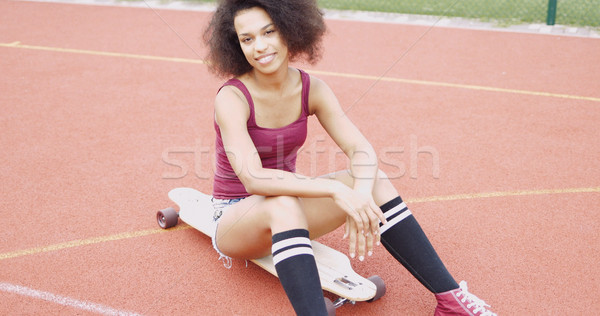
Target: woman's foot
461,302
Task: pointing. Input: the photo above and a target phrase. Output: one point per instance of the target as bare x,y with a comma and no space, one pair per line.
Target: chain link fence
503,12
578,12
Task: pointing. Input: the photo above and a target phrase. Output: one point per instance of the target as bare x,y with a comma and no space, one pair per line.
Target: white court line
62,300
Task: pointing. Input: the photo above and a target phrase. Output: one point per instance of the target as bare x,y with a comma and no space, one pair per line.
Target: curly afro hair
299,22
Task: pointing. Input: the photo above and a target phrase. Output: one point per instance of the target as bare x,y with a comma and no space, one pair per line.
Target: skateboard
335,270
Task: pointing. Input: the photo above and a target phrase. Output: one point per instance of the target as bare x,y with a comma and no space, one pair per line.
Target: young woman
261,205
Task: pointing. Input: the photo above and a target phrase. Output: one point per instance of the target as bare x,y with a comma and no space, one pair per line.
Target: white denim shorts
220,206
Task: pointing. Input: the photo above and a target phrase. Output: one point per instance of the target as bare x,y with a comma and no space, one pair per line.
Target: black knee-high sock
403,237
297,270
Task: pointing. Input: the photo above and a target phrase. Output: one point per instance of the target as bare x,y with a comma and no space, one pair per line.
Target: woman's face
260,41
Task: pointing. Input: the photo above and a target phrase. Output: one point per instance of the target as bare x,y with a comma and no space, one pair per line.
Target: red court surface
491,137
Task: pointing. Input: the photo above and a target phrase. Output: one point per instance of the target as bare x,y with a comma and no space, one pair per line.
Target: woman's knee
383,189
285,213
382,179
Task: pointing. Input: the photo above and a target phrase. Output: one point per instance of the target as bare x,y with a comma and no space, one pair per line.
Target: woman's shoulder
230,102
315,82
320,93
229,94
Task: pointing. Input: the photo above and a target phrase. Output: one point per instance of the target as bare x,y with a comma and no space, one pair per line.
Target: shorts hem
220,206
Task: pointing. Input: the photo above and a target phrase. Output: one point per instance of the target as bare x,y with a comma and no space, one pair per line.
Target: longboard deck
335,270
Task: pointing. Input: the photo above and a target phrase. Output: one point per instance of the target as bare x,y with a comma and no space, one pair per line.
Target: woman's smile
265,59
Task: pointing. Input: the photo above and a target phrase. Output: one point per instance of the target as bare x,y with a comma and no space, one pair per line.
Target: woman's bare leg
246,228
258,225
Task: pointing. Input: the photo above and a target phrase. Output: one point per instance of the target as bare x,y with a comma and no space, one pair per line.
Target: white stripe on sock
394,210
394,221
290,242
291,253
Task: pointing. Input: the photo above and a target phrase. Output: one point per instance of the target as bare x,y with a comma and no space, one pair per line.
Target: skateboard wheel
330,307
167,218
380,285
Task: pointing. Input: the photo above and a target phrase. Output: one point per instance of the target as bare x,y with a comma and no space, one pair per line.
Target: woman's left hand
363,241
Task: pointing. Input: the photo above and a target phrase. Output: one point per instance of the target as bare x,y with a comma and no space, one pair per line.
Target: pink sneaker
461,302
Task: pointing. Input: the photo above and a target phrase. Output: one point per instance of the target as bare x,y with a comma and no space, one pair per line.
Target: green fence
565,12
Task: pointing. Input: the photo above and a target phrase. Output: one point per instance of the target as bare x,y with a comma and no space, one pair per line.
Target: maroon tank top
277,147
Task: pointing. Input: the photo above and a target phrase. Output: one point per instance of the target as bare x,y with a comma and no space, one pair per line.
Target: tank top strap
305,91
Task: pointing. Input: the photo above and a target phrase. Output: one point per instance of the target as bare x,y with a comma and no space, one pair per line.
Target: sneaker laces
478,305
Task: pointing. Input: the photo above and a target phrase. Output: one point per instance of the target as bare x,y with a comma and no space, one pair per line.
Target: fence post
551,12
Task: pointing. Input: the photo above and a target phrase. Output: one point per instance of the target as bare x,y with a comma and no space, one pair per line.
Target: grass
569,12
503,12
